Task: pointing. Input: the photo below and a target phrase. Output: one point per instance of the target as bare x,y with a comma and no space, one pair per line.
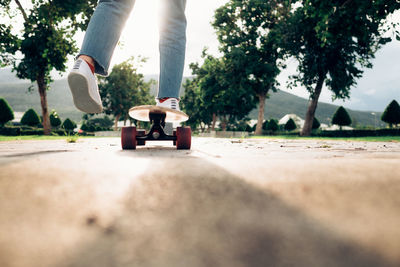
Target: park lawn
41,137
367,139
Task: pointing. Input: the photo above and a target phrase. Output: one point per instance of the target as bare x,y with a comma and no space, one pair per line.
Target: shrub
96,124
84,127
55,120
10,131
30,118
315,124
290,125
391,115
33,131
69,125
6,112
272,125
249,128
265,125
341,117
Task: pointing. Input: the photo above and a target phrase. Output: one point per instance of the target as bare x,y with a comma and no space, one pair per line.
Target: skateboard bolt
156,135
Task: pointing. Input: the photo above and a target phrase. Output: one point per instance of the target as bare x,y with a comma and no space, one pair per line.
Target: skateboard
157,116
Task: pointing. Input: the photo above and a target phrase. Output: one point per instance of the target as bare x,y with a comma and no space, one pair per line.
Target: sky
373,92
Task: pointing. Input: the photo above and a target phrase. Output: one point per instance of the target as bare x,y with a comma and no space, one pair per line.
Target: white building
299,121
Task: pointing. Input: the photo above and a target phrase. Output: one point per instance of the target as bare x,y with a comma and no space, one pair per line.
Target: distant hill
58,97
282,103
15,91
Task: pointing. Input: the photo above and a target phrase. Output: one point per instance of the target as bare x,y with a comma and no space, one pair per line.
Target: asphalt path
226,202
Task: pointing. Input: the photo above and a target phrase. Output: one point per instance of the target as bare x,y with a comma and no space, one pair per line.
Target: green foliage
104,123
391,115
69,125
247,32
341,117
191,104
333,41
30,118
45,41
290,125
6,112
272,125
212,91
55,120
124,88
316,124
241,125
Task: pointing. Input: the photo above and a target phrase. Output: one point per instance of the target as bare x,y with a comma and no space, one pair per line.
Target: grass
367,139
73,139
69,139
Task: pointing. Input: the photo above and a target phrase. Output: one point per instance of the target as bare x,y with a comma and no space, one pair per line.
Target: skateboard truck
156,132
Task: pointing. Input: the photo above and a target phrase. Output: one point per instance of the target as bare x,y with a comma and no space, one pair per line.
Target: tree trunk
214,121
312,107
261,98
223,123
116,122
43,102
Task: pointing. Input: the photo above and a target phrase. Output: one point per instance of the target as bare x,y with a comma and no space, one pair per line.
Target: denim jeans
105,28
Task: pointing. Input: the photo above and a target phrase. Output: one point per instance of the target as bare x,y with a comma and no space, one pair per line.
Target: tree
69,125
272,125
391,115
249,41
290,125
124,88
6,112
333,41
341,117
316,124
55,120
30,118
220,95
45,41
191,104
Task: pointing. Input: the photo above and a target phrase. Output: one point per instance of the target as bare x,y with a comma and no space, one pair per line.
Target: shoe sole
80,93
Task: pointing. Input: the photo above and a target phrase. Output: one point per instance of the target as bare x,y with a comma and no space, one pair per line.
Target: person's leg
101,37
104,31
172,47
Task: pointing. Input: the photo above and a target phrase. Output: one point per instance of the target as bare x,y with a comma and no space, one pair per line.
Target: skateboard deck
141,113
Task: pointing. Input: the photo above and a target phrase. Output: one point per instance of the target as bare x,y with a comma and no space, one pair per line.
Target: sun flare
140,35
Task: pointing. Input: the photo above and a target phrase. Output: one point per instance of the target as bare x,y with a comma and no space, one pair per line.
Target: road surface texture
227,202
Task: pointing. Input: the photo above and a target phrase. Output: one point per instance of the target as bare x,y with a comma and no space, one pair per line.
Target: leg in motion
172,51
100,40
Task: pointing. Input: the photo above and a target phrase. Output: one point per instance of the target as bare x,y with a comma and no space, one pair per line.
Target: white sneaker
172,103
84,89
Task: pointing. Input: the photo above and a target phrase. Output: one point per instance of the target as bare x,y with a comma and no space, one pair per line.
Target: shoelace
174,103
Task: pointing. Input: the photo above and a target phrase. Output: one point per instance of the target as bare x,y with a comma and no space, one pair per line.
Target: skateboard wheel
183,137
128,137
174,134
140,133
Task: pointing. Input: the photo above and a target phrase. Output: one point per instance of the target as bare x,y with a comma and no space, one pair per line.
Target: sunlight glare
140,36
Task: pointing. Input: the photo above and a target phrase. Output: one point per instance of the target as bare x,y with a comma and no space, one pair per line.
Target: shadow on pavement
189,212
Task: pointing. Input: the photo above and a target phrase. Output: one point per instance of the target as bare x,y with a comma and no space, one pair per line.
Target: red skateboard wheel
183,137
128,137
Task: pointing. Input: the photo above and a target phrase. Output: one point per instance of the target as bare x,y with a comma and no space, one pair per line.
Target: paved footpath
227,202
